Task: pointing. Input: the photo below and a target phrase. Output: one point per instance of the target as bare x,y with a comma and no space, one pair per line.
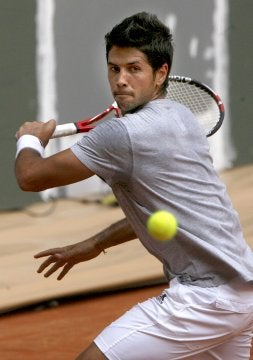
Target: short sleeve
106,150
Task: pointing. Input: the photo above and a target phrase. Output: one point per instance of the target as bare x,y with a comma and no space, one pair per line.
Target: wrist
29,141
99,243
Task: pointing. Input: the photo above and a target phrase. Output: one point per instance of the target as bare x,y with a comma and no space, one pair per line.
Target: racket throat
82,128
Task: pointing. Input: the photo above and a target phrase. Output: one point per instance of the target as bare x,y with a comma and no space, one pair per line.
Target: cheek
110,81
144,82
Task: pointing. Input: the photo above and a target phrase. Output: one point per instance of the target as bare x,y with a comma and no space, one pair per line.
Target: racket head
203,102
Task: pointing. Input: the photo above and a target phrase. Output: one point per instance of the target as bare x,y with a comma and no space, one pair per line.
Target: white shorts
184,322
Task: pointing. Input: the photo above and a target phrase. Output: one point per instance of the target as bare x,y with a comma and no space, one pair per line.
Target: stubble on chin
130,108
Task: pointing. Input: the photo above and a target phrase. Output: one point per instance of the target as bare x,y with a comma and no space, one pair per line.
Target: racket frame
83,126
208,90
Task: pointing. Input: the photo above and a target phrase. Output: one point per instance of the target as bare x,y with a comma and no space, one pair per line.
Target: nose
121,78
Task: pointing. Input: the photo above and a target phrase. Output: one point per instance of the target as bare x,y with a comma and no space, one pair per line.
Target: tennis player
154,157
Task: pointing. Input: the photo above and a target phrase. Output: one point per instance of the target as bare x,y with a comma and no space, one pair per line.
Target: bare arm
68,256
35,173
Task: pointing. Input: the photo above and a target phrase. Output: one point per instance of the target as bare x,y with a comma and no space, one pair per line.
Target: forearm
28,171
118,233
34,173
32,138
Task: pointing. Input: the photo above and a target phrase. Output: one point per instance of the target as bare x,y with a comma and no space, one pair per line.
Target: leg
238,348
91,353
183,323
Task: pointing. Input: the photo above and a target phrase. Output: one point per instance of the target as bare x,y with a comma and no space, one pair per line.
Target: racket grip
64,130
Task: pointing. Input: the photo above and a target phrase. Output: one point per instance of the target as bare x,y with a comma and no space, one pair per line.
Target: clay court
46,319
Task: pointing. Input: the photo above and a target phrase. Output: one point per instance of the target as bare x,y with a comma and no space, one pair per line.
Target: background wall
240,34
18,100
81,79
81,85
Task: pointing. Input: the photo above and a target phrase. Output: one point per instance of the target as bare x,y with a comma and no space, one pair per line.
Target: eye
135,69
114,68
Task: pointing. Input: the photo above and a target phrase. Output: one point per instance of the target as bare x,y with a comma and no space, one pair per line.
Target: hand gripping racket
204,103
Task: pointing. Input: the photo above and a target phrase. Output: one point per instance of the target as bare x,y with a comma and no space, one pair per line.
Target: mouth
121,94
121,97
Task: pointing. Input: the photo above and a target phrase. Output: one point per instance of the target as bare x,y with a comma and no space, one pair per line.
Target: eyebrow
129,63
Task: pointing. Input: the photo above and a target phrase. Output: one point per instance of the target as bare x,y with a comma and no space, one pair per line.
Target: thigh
237,348
140,335
91,353
168,327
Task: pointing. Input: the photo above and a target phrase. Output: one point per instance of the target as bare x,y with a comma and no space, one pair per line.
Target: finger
54,268
55,251
49,127
46,263
65,270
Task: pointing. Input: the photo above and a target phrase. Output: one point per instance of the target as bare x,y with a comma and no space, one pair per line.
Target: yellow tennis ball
162,225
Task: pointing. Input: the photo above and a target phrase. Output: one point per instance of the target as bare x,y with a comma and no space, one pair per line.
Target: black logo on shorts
161,298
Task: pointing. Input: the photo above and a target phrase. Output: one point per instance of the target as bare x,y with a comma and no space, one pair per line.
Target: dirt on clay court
60,329
60,332
63,329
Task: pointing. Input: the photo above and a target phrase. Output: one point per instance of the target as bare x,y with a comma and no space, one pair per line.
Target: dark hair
148,34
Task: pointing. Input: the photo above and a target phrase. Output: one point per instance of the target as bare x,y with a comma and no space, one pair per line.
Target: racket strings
201,100
201,104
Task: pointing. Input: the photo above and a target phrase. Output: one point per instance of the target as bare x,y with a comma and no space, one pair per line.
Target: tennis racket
204,103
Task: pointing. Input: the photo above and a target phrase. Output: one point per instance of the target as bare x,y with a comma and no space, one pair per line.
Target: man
154,157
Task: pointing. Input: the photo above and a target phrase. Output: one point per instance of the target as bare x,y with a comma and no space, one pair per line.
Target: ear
161,74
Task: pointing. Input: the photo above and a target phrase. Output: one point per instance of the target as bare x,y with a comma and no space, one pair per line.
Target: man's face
132,80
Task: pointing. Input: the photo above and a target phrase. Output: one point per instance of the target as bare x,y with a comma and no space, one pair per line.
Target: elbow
30,174
28,183
28,186
24,186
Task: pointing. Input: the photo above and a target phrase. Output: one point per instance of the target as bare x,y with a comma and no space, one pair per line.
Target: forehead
126,55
